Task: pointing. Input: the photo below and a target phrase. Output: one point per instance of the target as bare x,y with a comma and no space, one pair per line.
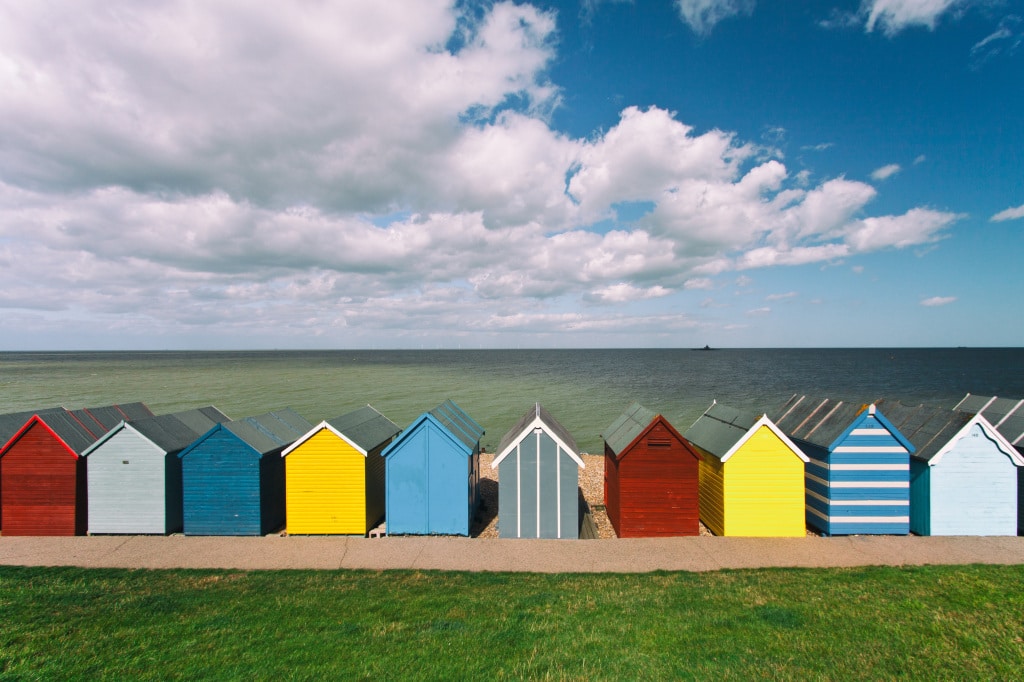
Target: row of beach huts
840,468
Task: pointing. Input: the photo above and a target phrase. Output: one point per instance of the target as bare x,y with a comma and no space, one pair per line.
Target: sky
470,174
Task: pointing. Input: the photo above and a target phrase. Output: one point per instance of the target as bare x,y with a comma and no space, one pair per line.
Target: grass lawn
928,622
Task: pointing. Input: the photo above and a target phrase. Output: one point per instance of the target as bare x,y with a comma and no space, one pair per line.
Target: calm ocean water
584,389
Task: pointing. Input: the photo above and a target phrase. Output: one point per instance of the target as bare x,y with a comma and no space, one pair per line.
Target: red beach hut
651,477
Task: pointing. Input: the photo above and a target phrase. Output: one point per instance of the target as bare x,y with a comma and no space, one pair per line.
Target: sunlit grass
935,622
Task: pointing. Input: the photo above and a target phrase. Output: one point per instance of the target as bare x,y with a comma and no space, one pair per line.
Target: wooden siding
221,486
970,490
430,483
611,487
537,495
325,487
43,486
656,486
757,492
128,487
861,486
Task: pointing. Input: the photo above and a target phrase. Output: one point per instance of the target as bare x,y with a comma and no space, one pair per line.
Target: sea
583,389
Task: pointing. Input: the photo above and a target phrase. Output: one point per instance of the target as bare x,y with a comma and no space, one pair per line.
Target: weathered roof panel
929,429
537,412
627,427
460,424
366,427
720,428
12,422
201,419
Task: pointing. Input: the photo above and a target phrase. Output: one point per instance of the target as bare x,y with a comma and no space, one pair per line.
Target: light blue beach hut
857,479
432,474
1007,416
134,474
233,475
963,473
538,465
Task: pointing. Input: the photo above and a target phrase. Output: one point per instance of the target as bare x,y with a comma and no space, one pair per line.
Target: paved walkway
539,556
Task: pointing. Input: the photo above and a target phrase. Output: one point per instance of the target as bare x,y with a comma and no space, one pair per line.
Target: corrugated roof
201,419
69,430
167,432
281,427
366,427
1006,414
535,413
627,427
460,424
12,422
929,429
720,428
818,421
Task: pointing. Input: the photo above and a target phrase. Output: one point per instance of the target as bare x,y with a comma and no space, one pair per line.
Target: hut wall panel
127,491
447,487
375,487
325,487
712,494
549,490
508,496
569,496
175,517
974,489
1020,496
40,487
659,493
221,487
271,485
764,489
407,486
920,497
612,476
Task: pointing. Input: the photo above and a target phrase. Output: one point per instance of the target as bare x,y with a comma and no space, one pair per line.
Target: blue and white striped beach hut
858,475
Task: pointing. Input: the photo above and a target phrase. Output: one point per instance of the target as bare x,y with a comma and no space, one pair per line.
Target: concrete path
537,556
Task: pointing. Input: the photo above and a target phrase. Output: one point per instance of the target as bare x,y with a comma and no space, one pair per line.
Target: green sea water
584,389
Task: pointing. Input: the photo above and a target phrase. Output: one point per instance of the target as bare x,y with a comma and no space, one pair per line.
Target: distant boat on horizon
706,347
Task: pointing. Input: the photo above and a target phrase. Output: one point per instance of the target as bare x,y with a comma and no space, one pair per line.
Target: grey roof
366,427
460,424
88,422
268,432
1006,414
720,428
537,411
201,419
928,429
167,432
12,422
69,429
627,427
818,421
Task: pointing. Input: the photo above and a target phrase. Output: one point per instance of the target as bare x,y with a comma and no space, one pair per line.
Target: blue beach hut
233,475
538,465
857,479
432,474
963,473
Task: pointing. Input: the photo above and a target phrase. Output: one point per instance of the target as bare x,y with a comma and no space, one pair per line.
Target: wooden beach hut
134,473
538,465
858,473
1007,416
432,474
10,424
651,477
233,475
43,487
334,475
751,474
963,472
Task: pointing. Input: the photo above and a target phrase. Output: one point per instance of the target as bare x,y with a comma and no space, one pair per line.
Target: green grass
927,622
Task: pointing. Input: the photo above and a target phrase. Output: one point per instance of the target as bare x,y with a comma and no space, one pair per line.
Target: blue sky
374,174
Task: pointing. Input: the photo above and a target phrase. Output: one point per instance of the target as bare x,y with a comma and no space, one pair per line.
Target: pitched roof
63,424
1006,414
537,417
11,423
722,430
627,427
934,430
166,431
263,433
364,429
201,419
823,422
460,424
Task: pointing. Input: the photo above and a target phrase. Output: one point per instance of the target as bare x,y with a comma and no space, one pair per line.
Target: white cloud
702,15
698,283
916,226
921,158
885,172
759,311
1009,214
892,16
781,297
938,301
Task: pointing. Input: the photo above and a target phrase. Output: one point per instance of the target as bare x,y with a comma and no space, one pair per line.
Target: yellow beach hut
751,477
334,475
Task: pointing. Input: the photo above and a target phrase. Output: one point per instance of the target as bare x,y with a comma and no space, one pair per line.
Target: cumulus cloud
935,301
368,170
892,16
1009,214
702,15
885,172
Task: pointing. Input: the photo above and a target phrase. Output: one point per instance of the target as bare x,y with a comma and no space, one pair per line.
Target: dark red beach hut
651,477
